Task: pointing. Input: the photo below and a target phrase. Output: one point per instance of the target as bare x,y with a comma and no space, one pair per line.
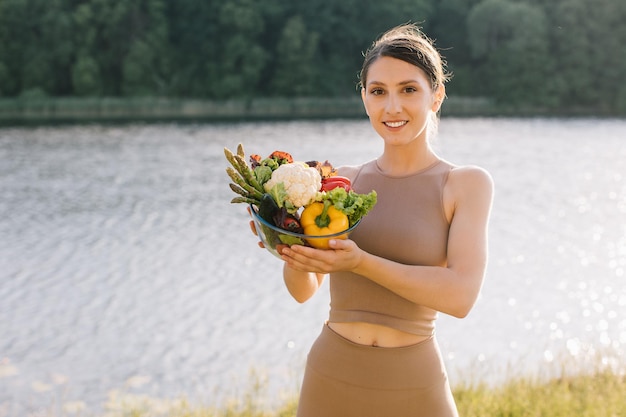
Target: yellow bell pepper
319,219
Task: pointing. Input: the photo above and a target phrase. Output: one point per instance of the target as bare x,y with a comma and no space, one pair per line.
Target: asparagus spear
250,190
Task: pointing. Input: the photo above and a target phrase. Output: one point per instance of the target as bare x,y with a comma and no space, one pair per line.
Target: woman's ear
440,94
363,100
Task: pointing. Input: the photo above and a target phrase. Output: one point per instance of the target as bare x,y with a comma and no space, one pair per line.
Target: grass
595,394
600,394
118,109
591,387
252,403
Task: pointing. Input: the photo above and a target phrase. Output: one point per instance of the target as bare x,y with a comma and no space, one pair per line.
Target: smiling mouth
395,124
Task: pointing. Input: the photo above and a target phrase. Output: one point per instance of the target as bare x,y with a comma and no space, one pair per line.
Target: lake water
123,266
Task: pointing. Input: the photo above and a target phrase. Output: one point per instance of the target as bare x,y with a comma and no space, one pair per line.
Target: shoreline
73,110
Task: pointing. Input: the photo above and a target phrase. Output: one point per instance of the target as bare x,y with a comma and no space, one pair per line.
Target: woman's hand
305,267
301,282
253,228
343,255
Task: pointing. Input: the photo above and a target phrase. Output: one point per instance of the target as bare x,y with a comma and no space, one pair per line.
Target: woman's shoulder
468,189
351,171
470,173
465,180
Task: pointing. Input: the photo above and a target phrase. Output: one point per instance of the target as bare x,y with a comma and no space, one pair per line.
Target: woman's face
399,100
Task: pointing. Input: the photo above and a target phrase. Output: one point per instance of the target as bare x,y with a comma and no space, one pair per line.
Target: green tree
129,42
5,77
47,48
35,46
102,35
561,53
145,66
448,27
295,67
242,57
194,38
85,72
511,44
347,28
86,77
14,33
589,44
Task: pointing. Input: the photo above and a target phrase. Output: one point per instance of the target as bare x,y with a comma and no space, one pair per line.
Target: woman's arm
451,289
301,285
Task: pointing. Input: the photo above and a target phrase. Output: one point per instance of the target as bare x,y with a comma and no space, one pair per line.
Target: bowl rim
264,222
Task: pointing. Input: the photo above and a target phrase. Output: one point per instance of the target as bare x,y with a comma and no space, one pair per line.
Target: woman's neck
402,161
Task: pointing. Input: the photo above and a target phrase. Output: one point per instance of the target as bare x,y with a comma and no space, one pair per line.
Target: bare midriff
375,335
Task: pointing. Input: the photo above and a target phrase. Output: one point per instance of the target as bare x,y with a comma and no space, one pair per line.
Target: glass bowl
274,238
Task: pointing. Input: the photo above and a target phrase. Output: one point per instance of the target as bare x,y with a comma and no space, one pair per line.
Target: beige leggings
346,379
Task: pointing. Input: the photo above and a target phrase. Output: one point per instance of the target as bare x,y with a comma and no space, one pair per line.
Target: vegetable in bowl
294,202
294,185
275,238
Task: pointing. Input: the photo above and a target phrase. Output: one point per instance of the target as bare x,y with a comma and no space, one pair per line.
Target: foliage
509,43
594,395
562,54
295,65
597,394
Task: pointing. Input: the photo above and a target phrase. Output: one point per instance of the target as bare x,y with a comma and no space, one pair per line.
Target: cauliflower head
294,185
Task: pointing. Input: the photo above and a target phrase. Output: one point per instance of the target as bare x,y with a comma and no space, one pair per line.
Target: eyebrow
400,83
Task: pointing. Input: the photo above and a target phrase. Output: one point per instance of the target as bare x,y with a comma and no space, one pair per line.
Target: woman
421,250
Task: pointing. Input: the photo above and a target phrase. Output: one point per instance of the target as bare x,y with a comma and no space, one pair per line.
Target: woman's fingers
253,228
305,259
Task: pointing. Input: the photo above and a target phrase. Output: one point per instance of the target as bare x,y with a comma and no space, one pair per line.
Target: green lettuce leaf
351,203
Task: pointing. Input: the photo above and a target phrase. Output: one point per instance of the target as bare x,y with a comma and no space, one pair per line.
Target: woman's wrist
362,259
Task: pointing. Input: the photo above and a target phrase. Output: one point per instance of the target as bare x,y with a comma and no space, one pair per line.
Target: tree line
560,54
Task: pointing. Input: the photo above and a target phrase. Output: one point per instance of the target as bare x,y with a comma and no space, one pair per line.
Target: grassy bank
69,110
46,110
596,394
601,394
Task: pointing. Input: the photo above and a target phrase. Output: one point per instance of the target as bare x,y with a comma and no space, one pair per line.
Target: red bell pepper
335,181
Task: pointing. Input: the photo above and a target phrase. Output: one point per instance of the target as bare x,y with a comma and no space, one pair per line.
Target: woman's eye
376,91
410,89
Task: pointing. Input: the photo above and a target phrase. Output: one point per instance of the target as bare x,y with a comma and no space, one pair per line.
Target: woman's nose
393,104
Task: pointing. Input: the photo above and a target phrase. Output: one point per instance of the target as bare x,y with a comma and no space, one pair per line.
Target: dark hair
409,44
